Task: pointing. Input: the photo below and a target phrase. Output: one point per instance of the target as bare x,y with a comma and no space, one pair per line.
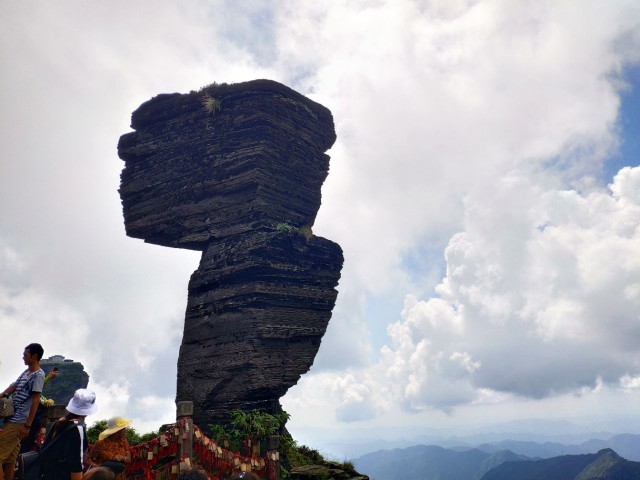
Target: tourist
62,454
28,443
26,392
112,446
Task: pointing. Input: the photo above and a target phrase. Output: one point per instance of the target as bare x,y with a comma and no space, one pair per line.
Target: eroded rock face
71,376
258,308
226,160
236,172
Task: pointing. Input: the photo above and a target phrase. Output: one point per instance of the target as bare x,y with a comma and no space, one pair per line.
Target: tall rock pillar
235,171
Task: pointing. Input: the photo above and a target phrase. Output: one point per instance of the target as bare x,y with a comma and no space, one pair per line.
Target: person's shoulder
65,424
37,381
37,374
79,424
74,428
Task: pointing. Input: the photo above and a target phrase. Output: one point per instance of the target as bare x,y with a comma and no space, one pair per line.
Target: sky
484,186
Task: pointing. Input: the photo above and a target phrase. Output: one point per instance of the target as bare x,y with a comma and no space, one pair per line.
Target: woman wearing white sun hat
62,453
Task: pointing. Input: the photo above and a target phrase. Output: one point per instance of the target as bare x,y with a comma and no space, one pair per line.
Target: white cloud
356,399
430,103
451,102
489,118
535,302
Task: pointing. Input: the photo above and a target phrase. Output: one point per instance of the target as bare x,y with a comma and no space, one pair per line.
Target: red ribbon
205,456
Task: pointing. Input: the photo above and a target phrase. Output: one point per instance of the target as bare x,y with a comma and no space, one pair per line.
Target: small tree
94,431
248,429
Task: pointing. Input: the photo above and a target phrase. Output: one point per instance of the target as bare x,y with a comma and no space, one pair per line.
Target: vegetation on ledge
299,462
250,430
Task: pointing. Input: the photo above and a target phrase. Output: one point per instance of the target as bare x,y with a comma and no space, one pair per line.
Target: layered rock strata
71,376
236,172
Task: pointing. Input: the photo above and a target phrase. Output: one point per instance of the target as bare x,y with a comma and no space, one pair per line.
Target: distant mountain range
423,462
513,460
626,445
581,431
604,465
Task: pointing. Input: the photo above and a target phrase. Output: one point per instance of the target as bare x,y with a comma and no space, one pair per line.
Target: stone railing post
273,454
184,414
53,413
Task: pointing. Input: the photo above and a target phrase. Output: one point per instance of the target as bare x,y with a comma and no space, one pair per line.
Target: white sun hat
83,402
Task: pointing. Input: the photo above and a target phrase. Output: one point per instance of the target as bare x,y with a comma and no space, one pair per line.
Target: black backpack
29,463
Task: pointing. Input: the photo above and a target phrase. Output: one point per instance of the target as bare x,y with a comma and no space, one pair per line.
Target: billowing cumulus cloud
432,102
540,299
492,118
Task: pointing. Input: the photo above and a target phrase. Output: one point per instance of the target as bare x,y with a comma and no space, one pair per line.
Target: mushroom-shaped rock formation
235,171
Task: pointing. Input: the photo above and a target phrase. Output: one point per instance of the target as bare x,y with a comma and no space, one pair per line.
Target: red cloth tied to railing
157,456
158,459
221,462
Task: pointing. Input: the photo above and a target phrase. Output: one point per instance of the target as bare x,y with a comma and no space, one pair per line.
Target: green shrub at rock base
247,429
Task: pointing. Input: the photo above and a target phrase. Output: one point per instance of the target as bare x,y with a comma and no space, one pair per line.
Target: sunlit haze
484,186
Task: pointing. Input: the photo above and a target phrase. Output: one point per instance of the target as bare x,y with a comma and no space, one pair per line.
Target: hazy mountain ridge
497,461
591,430
604,465
430,462
625,445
